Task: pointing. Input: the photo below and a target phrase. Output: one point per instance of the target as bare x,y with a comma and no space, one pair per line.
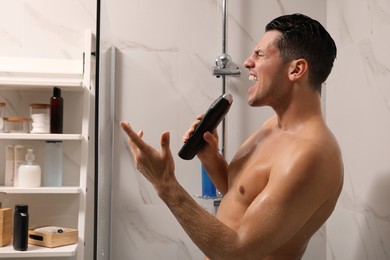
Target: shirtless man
285,179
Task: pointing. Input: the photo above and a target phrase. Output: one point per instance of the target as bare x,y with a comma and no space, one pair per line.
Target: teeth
252,77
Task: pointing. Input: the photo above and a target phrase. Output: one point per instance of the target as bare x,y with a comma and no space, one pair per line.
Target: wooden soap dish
52,236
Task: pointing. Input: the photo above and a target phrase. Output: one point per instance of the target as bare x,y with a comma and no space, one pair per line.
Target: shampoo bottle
52,171
20,228
29,173
56,111
208,188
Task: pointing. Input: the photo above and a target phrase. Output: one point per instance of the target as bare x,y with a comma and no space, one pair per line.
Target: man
285,179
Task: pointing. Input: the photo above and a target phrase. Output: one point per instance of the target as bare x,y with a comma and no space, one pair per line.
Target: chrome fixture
224,67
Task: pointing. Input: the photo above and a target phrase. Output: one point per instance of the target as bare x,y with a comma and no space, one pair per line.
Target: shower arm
224,80
224,25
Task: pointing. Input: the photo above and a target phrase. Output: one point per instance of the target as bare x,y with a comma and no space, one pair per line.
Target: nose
249,63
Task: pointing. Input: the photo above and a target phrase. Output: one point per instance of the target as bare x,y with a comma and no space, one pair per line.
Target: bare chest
247,179
248,175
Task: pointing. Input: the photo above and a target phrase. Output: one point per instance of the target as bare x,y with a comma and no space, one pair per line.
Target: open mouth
252,77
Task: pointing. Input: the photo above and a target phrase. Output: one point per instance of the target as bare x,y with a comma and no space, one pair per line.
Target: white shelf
31,74
47,137
40,190
28,73
33,83
38,251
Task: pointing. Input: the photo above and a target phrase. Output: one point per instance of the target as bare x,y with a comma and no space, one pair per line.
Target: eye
259,53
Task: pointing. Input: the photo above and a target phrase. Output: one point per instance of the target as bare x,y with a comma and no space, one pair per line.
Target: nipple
242,190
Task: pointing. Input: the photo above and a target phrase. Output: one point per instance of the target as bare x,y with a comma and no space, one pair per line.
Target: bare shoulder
314,156
319,143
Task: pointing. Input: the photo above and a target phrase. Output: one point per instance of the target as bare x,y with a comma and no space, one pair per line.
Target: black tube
20,242
209,123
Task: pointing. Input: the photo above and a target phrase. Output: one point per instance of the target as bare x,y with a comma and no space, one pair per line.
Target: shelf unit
38,251
41,190
46,137
42,75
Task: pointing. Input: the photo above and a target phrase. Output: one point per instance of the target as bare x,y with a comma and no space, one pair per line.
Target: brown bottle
56,111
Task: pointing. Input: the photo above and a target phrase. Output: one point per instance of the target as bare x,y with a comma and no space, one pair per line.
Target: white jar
40,118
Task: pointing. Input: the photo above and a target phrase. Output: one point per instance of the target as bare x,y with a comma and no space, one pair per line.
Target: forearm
216,168
214,239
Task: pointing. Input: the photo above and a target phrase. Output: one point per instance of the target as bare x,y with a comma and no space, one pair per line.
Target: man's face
267,70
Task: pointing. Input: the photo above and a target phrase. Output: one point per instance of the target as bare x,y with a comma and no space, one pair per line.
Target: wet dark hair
304,37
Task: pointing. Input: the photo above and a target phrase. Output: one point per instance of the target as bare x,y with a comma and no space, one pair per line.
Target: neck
301,105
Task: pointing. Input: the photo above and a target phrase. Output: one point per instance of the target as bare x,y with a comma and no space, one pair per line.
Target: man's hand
211,147
157,166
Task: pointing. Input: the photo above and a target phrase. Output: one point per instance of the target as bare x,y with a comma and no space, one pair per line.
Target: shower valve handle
209,123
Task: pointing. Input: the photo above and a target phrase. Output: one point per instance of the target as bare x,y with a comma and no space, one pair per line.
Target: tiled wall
45,28
358,111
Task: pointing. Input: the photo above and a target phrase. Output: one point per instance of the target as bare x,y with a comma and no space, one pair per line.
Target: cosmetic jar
40,118
16,124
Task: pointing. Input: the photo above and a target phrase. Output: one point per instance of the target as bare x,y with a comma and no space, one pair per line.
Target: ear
298,69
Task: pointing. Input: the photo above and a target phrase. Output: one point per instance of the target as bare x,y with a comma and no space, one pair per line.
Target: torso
251,167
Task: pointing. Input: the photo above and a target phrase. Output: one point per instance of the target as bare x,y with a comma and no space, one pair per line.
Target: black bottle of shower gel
21,228
213,116
56,111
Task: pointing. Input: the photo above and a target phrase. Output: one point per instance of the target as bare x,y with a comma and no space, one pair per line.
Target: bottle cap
30,157
21,208
56,92
53,142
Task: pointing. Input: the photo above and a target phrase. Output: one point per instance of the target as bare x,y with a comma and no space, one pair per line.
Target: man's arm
296,189
213,162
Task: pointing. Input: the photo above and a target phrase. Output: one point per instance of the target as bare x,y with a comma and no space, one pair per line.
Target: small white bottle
9,166
29,172
19,155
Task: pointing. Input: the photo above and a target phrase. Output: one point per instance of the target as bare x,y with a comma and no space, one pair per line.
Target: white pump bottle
29,172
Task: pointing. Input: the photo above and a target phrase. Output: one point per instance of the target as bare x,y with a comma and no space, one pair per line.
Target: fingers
210,139
192,128
134,138
165,143
165,140
126,127
199,117
138,147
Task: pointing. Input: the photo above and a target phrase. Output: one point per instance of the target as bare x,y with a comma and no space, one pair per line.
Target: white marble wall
358,110
48,29
165,53
45,28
